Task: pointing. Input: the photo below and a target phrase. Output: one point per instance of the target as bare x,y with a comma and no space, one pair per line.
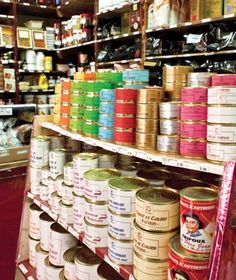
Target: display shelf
39,91
9,109
36,10
167,159
41,72
27,270
118,37
73,7
124,61
75,46
124,271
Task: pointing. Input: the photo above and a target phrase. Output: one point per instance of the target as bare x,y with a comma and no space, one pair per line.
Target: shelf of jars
124,271
166,159
124,61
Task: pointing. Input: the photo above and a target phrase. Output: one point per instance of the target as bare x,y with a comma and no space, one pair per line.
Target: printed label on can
66,215
192,148
96,214
34,228
67,194
222,95
221,152
96,190
78,213
193,113
193,130
86,272
69,270
32,251
221,134
122,202
95,237
45,234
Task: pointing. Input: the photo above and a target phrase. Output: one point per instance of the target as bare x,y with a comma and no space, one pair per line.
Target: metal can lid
95,202
35,207
128,183
60,178
48,264
69,255
101,174
86,156
40,250
58,228
121,215
158,196
55,194
65,205
45,217
177,249
106,272
45,168
199,193
86,257
94,226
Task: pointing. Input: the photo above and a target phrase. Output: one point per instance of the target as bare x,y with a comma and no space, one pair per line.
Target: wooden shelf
166,159
75,46
118,37
36,10
73,7
124,61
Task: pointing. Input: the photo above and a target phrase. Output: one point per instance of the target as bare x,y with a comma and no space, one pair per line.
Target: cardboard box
10,84
213,8
6,35
14,154
196,10
9,73
229,7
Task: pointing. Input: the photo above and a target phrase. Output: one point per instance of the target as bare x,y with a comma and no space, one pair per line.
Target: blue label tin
136,76
107,108
107,95
135,86
106,133
106,120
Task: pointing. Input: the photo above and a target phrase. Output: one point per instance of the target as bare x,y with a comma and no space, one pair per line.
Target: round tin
66,213
67,194
135,75
60,241
121,226
157,209
169,126
106,272
147,111
107,108
150,95
91,114
221,114
76,111
57,159
45,174
44,192
106,159
95,236
39,151
199,79
86,263
193,148
58,183
221,95
45,223
122,192
146,125
125,121
96,188
76,124
186,264
224,79
51,271
124,136
169,110
32,251
193,129
125,108
146,141
106,133
35,179
90,128
92,99
107,95
194,95
120,251
106,120
68,173
69,263
78,213
40,266
220,152
64,121
193,112
146,269
65,108
51,188
96,213
62,276
77,98
34,222
152,244
55,207
126,94
198,208
156,176
81,163
221,133
168,143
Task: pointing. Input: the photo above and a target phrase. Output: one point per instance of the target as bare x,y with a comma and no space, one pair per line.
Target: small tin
58,183
76,111
220,152
106,159
224,80
120,251
45,174
51,188
199,79
69,263
90,129
136,75
126,94
77,98
150,95
146,141
40,266
122,192
106,120
194,95
221,133
32,251
96,213
157,209
34,221
57,159
78,213
67,194
95,236
55,200
168,143
124,121
221,95
106,272
198,208
39,151
125,108
44,192
45,223
146,125
147,111
35,179
156,176
169,110
193,112
169,126
64,121
91,114
57,142
66,214
65,108
107,108
76,124
190,129
121,226
68,173
107,95
51,271
221,114
106,133
91,99
193,148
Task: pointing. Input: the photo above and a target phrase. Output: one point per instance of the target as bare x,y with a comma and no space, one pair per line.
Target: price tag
23,269
44,208
30,278
73,232
37,202
30,195
114,265
6,111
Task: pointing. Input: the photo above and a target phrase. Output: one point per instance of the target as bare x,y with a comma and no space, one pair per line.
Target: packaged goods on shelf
24,39
229,7
6,35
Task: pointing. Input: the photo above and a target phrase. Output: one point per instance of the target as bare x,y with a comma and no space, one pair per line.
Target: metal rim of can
118,214
40,138
190,139
222,106
154,232
65,205
40,250
38,240
113,172
85,254
193,194
62,276
48,264
69,255
89,201
55,194
85,156
221,144
106,127
142,183
92,225
192,104
124,129
149,259
126,241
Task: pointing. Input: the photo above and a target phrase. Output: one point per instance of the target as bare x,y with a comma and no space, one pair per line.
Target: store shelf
167,159
27,270
9,110
38,91
76,46
40,72
73,7
36,10
125,271
118,62
118,37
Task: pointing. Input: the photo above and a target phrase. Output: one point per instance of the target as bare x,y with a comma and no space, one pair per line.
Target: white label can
57,159
55,200
51,271
39,151
95,236
40,266
32,251
68,174
59,181
34,223
96,213
35,179
51,188
221,133
67,194
220,152
66,214
69,267
44,192
45,174
45,223
78,213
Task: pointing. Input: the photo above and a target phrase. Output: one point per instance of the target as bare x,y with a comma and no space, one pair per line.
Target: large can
122,192
106,272
40,266
67,194
39,151
95,236
45,174
96,212
51,271
168,143
186,265
81,163
86,264
34,222
32,251
96,188
68,173
106,159
69,259
146,269
66,213
57,159
45,223
78,213
44,192
169,110
35,179
60,241
198,208
157,209
220,152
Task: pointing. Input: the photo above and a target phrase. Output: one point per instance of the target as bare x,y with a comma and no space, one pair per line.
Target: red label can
198,207
184,265
125,94
125,108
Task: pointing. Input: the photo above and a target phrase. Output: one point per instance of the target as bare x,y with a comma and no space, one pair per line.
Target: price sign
23,269
6,111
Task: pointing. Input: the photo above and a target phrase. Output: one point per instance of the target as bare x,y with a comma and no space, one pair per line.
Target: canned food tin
173,70
51,189
124,136
44,192
185,264
67,194
96,213
40,266
150,95
169,110
120,251
78,213
56,118
91,114
106,120
193,112
106,159
126,94
194,95
126,169
106,272
55,207
146,125
51,271
107,95
45,223
65,108
58,183
221,114
152,244
193,148
124,121
198,208
77,98
156,176
168,143
86,264
32,251
146,269
68,173
69,260
222,95
106,133
136,75
122,192
34,222
146,141
95,236
107,108
92,99
62,276
64,121
57,142
193,129
157,209
60,241
39,151
199,79
169,126
174,86
57,159
76,111
35,179
220,152
121,226
125,108
147,111
221,133
66,213
45,174
81,163
76,124
90,128
96,188
224,80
